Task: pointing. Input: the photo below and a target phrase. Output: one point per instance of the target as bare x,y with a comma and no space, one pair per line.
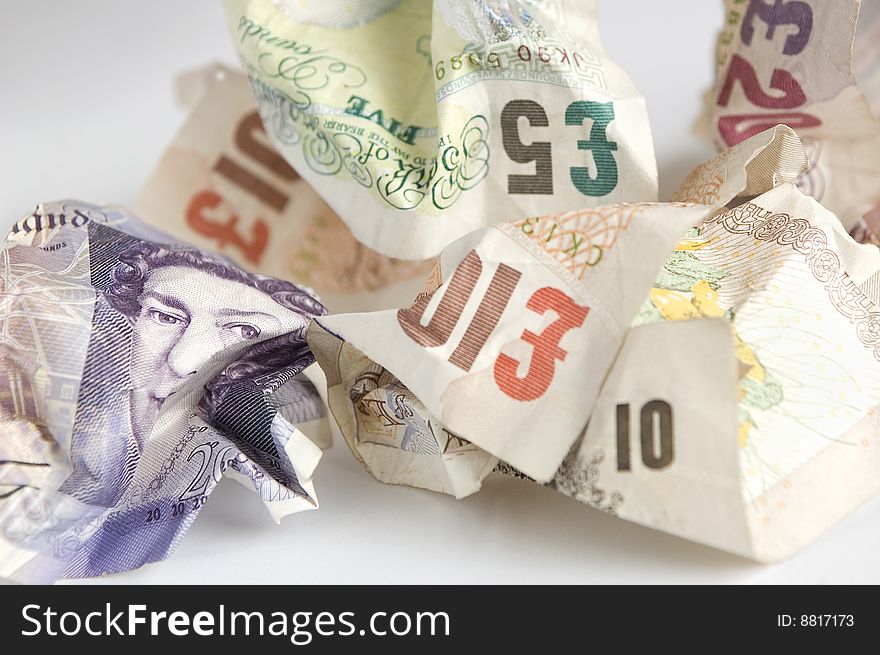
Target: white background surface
86,108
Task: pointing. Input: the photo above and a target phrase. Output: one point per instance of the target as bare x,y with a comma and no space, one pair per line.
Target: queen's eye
244,330
163,318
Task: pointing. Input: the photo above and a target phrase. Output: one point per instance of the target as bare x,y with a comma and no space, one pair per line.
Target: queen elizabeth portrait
174,331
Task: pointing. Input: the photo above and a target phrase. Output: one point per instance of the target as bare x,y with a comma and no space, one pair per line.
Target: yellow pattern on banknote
747,265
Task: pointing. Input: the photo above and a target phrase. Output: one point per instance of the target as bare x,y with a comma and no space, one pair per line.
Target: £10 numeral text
546,349
655,432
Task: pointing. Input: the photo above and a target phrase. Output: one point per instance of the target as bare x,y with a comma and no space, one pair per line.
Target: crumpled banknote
134,373
221,185
526,316
603,261
791,62
740,410
420,122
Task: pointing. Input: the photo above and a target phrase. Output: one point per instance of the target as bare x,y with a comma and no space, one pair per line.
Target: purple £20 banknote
134,373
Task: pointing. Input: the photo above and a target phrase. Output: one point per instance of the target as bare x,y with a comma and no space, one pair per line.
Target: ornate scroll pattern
704,184
290,125
279,114
308,72
578,240
459,166
811,242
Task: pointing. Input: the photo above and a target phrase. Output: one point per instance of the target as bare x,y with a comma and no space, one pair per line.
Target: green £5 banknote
419,122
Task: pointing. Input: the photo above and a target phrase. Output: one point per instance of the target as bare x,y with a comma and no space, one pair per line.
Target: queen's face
187,316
